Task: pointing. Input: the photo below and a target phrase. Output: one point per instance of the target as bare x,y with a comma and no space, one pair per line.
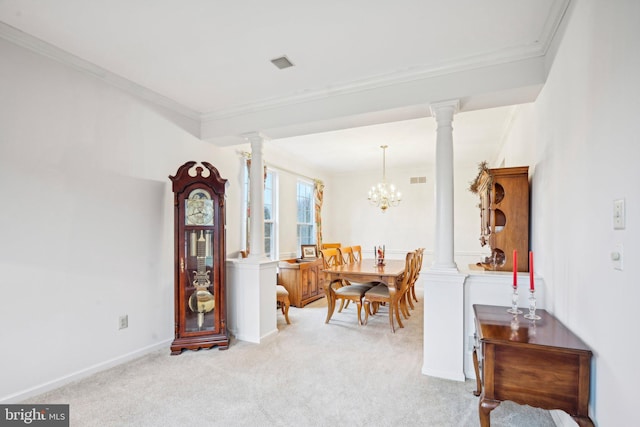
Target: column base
444,324
251,299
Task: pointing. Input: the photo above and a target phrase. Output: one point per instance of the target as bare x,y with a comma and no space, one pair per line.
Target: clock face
199,208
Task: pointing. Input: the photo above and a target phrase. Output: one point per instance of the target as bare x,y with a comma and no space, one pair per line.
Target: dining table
363,271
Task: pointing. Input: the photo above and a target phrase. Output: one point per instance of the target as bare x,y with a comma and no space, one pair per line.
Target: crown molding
48,50
539,48
552,24
396,78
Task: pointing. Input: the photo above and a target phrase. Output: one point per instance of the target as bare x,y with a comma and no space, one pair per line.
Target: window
305,232
270,213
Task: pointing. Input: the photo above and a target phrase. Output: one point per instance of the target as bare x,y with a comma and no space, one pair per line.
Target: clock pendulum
201,300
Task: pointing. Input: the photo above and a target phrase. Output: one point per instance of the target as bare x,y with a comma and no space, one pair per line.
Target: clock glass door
199,299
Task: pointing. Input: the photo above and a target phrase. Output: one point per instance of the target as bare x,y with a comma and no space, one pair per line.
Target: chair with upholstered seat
381,294
405,300
349,256
282,296
411,292
341,290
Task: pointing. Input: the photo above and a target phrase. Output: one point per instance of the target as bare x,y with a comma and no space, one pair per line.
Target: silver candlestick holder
532,307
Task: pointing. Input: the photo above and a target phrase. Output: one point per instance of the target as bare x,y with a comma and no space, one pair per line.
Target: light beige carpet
310,374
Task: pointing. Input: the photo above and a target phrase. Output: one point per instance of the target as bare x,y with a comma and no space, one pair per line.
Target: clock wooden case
199,290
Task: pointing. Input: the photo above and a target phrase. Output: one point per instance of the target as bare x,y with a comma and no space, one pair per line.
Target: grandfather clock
199,212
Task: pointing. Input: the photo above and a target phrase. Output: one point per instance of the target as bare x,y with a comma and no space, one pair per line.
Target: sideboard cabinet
303,280
537,363
504,216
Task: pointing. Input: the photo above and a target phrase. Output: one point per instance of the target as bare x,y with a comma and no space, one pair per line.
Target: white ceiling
477,135
210,60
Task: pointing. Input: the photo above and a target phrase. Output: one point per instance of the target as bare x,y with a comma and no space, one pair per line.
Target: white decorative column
256,192
443,113
444,284
251,282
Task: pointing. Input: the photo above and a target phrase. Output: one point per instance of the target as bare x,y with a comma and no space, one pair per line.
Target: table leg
476,367
394,307
484,409
331,300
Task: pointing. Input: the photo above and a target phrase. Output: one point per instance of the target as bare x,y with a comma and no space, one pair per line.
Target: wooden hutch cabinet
303,279
504,215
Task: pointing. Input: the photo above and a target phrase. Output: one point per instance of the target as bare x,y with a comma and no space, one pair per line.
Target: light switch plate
617,256
618,214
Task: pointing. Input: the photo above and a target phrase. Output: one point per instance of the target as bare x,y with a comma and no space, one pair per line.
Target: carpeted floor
309,374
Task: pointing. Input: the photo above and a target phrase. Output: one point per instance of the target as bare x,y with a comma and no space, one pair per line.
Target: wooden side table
541,364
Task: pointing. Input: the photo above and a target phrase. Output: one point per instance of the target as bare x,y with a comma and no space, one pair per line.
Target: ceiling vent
282,62
418,180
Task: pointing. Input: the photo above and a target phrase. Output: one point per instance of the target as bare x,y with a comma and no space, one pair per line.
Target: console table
538,363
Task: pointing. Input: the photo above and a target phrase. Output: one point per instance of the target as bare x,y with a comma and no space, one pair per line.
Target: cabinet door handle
181,265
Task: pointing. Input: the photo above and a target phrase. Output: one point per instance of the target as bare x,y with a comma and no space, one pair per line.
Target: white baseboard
78,375
562,419
454,376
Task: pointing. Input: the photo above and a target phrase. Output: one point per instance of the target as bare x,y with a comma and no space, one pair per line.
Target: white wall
352,220
86,221
581,139
86,229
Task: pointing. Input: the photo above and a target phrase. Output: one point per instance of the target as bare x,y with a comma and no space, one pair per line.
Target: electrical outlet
618,214
123,321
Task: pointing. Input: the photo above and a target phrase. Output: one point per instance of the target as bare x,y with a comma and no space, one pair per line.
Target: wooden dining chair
348,256
411,292
380,294
357,253
331,257
341,290
282,298
405,300
331,245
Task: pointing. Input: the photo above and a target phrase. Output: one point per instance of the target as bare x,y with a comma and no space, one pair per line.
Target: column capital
445,109
255,136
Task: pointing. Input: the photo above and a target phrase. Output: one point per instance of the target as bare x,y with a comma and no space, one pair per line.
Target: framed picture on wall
309,251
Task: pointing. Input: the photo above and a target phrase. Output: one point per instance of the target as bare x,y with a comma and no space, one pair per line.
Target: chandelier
384,195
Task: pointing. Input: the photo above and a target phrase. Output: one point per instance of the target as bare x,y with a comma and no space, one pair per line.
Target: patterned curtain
318,194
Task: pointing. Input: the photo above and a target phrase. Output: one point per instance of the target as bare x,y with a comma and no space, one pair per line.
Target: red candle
515,268
531,285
